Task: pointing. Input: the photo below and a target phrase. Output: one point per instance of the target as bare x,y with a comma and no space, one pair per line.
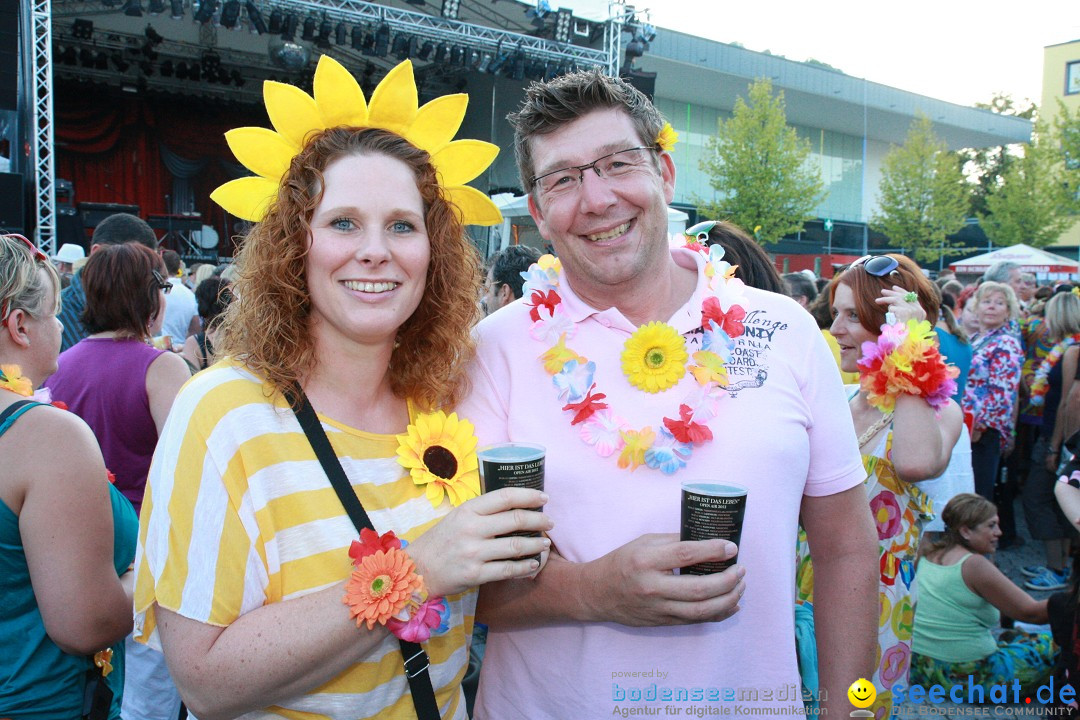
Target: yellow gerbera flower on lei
654,358
440,453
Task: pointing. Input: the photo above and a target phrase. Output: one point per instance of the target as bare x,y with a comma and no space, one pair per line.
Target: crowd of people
260,493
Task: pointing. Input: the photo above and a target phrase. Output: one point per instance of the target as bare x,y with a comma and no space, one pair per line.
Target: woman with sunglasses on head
884,309
67,537
124,388
991,393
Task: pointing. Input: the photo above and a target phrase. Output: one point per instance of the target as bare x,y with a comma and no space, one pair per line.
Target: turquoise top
958,354
952,622
38,681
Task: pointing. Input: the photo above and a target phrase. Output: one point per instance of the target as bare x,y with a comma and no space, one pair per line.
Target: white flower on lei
704,403
552,325
574,380
603,431
729,292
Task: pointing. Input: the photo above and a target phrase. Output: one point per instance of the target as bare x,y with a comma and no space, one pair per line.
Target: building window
1072,78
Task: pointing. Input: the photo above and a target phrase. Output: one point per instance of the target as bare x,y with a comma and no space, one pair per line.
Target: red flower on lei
731,322
586,407
371,542
686,430
541,299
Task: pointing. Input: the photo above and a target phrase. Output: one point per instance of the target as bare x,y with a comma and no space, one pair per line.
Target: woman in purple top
121,386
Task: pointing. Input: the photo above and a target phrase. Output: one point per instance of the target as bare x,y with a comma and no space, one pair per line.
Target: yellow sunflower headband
339,101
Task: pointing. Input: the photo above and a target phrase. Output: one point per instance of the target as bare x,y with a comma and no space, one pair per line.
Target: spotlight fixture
450,9
182,71
441,52
276,19
176,9
382,41
288,27
69,56
86,58
256,18
426,50
341,34
167,68
205,12
119,62
485,64
325,28
146,67
401,46
230,13
82,29
195,73
517,66
101,60
357,37
237,78
634,49
156,7
457,55
563,20
133,8
309,29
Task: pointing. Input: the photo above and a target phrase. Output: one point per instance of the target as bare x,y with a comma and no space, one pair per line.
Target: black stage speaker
9,54
12,203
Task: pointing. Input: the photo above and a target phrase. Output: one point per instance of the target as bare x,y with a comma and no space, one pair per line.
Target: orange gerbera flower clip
381,586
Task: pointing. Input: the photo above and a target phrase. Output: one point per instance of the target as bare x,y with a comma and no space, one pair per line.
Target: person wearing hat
65,259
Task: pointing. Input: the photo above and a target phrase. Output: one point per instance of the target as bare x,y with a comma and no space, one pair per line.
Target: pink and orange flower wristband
384,588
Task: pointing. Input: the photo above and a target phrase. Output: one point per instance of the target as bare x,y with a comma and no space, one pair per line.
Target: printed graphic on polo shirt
748,367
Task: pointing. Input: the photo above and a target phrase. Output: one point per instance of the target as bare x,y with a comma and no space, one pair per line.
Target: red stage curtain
107,145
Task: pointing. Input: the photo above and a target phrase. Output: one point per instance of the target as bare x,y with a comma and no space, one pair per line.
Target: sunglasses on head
38,255
5,307
876,265
162,284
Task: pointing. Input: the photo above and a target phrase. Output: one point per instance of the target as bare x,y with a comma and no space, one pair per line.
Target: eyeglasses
616,165
876,265
162,284
6,307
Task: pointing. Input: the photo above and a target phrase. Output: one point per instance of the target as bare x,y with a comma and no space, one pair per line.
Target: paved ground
1010,561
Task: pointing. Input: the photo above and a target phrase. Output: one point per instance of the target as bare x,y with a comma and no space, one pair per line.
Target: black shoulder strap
415,659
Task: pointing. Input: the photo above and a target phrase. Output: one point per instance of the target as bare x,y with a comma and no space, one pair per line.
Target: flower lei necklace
11,378
1041,384
653,360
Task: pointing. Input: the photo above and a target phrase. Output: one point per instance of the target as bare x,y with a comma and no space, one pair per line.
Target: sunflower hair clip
666,138
338,101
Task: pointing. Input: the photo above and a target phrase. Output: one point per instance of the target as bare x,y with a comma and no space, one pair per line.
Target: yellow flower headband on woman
339,101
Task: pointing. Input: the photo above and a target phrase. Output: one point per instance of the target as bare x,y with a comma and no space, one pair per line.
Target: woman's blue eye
341,224
402,226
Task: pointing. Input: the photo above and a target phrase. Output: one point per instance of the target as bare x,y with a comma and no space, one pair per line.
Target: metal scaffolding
44,165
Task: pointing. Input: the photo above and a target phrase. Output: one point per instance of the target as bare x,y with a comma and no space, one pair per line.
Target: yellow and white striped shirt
238,514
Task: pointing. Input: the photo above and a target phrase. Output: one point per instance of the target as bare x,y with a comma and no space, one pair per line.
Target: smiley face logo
862,693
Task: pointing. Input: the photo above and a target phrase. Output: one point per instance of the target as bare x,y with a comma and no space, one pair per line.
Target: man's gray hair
1000,271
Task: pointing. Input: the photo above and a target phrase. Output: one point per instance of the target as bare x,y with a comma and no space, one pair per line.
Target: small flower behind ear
666,138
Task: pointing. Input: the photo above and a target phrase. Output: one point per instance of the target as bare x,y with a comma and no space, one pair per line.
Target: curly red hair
268,325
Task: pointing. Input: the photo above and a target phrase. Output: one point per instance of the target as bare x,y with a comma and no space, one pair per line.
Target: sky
962,51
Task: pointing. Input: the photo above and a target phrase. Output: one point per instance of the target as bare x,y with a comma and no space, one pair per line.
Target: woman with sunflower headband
67,537
884,310
356,291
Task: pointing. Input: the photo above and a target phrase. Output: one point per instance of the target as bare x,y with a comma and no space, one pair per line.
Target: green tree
758,166
1035,201
985,167
922,197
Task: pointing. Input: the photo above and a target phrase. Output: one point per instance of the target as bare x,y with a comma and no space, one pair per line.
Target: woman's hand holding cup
464,550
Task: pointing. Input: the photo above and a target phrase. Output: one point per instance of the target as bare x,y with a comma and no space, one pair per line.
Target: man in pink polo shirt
629,410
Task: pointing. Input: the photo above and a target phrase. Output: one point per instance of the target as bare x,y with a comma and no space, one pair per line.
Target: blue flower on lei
667,454
717,341
574,380
537,279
